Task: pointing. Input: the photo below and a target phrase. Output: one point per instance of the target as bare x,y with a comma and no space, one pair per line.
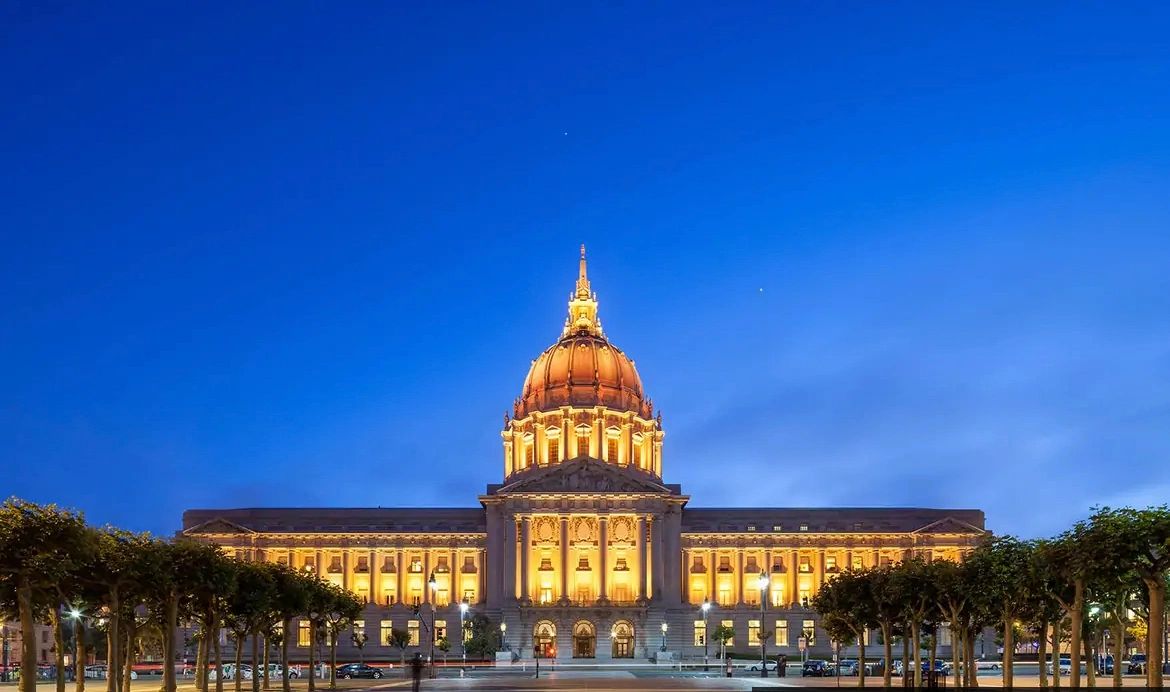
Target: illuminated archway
584,640
623,639
544,640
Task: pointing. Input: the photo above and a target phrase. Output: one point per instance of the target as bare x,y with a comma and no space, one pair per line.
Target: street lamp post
763,583
434,584
706,633
503,636
463,606
663,636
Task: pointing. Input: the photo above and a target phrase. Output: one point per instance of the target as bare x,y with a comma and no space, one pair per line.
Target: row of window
414,628
778,637
553,446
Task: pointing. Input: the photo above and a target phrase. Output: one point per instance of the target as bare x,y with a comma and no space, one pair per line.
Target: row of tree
56,569
1089,581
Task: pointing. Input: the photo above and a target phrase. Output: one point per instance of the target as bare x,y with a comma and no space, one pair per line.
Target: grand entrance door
623,639
584,640
544,640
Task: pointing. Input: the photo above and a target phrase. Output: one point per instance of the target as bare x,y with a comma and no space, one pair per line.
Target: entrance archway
544,640
623,639
584,640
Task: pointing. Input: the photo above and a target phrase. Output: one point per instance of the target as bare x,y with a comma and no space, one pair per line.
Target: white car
229,672
101,671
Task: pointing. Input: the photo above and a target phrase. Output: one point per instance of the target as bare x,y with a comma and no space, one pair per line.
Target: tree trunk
170,684
28,641
128,656
1057,628
1076,624
1118,649
113,655
79,664
933,649
218,653
256,663
861,658
202,653
59,645
972,678
915,636
285,684
1090,661
1009,647
906,659
1042,654
266,662
1156,629
888,652
956,648
312,658
237,678
332,657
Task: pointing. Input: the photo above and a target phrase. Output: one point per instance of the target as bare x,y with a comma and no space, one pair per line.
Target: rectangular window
805,564
730,624
858,562
303,633
554,450
781,633
830,563
440,630
809,631
753,632
412,629
529,454
583,442
805,598
612,450
700,633
385,629
777,594
359,628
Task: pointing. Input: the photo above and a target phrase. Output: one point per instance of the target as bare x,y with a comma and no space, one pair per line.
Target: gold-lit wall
621,438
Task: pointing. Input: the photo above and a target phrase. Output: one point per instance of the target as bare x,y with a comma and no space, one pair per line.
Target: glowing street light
706,608
763,584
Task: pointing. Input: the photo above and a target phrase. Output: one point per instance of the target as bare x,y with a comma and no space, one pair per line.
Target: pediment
584,475
948,525
218,526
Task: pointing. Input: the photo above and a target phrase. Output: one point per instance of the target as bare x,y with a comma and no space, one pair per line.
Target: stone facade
583,551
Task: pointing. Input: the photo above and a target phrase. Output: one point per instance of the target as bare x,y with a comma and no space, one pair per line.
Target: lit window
611,450
858,562
554,450
751,527
830,563
777,527
805,564
781,633
529,453
385,629
582,441
303,633
804,527
359,627
440,630
753,632
412,630
809,632
700,633
730,625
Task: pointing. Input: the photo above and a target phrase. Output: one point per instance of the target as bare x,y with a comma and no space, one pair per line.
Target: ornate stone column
375,576
658,553
819,567
426,587
794,576
400,576
603,528
739,575
712,594
564,559
643,576
525,548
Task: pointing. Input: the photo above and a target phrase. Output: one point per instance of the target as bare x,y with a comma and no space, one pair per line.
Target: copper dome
583,368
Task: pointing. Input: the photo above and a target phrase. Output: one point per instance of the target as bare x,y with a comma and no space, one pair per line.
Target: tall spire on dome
582,306
582,277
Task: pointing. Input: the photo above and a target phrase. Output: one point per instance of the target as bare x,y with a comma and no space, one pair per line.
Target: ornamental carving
544,530
583,529
622,530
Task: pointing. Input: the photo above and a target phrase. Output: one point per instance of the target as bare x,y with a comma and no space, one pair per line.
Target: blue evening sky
864,253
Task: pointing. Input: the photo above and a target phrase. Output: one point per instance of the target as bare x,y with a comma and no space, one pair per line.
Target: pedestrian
416,666
782,665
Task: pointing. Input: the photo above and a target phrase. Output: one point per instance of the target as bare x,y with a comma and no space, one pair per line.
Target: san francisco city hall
584,551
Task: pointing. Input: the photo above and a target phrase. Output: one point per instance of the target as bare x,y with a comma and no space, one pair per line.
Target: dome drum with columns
582,398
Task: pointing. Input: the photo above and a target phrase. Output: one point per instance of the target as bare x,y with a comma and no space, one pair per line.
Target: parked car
815,668
770,664
1137,665
101,671
229,672
276,672
358,670
848,666
1065,665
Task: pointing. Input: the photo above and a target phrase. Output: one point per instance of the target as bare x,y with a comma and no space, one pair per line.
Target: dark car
1137,664
814,668
358,670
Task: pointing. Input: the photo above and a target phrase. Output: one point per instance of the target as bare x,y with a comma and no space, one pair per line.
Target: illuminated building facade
583,551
